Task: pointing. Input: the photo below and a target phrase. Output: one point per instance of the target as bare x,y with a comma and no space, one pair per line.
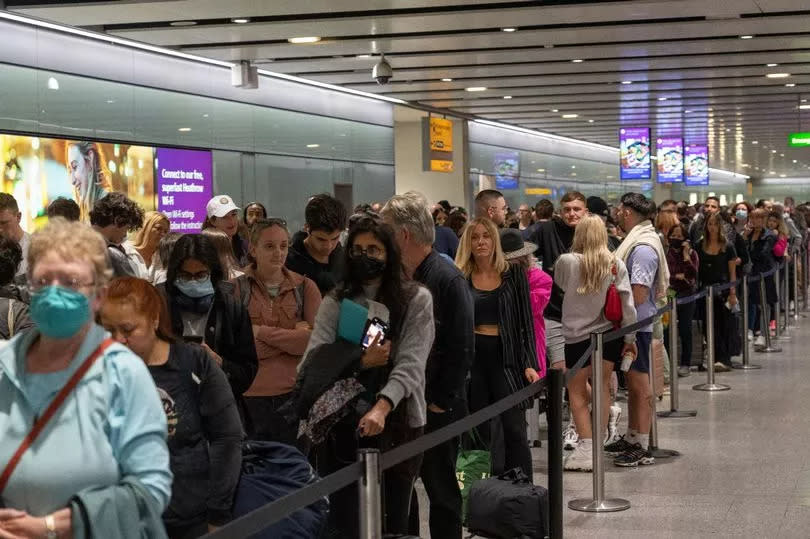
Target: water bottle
627,360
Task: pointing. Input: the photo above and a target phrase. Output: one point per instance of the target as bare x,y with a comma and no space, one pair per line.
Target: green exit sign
799,140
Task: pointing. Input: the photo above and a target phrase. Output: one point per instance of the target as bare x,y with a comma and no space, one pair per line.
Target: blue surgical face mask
742,214
59,312
195,289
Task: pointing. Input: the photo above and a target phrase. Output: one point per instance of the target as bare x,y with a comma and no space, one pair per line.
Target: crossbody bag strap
53,407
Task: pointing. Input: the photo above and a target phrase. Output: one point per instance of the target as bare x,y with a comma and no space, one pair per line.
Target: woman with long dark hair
718,265
393,375
760,242
505,354
203,309
683,269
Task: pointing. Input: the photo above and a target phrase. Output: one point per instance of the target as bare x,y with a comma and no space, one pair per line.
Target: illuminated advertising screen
670,159
37,170
184,180
634,145
507,170
697,164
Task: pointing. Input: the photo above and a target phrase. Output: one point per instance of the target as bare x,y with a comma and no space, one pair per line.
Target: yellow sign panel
441,135
538,191
438,165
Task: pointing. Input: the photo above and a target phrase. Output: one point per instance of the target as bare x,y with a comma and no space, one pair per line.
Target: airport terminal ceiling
735,74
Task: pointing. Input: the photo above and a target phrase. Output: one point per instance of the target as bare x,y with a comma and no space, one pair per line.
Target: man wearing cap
223,215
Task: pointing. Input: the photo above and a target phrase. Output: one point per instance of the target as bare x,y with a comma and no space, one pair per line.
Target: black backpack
508,506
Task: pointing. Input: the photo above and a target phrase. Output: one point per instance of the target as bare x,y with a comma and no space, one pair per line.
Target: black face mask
675,243
366,268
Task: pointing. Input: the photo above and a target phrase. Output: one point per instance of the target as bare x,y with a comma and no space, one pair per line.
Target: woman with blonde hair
585,275
230,267
505,354
142,249
87,171
664,222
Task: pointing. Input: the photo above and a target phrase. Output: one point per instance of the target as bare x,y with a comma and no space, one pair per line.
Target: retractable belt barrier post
656,451
370,494
795,282
779,334
710,385
746,352
598,504
764,318
554,417
806,277
784,302
673,367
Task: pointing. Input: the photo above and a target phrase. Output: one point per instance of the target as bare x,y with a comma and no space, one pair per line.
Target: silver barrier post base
604,506
659,453
744,367
677,413
673,368
711,387
767,349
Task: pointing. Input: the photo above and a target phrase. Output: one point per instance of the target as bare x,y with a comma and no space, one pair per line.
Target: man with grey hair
449,361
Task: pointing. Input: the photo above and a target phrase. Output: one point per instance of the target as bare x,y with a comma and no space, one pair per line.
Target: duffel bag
507,507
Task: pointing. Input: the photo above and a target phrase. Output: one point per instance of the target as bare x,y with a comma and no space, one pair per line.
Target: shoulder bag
613,303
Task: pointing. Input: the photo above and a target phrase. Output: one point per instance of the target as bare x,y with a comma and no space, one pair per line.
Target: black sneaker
619,446
634,456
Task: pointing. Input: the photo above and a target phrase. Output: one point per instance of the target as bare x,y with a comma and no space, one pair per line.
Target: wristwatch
50,527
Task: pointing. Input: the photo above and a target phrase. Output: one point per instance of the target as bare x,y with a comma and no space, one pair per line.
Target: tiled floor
745,464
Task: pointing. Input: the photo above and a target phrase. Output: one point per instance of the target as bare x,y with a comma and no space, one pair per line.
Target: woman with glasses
282,306
205,434
505,351
393,375
203,309
102,459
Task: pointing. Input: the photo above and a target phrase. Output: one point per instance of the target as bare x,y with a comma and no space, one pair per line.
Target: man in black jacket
449,361
318,254
113,216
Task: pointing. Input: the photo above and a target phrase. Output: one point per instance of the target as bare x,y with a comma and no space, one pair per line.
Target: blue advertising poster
670,159
697,164
507,170
634,145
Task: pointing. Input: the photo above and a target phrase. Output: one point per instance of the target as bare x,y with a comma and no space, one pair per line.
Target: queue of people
162,354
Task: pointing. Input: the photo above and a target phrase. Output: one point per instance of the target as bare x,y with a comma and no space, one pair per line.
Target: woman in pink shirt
282,306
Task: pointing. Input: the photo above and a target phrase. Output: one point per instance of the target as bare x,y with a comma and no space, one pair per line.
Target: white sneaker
613,423
759,341
570,437
581,460
750,335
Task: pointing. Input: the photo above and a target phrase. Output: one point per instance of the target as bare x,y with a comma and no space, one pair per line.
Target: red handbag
613,303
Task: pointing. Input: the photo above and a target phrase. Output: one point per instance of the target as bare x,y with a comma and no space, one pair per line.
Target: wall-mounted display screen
184,180
38,170
670,159
697,164
507,170
634,145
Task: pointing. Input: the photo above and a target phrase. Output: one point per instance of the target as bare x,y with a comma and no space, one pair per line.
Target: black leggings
487,385
686,313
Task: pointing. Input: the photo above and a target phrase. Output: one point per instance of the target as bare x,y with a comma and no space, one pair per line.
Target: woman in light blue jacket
110,431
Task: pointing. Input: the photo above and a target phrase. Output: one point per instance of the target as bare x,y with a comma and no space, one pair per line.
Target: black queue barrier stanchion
656,451
764,318
673,367
806,277
598,504
780,333
746,351
795,286
784,302
554,418
710,384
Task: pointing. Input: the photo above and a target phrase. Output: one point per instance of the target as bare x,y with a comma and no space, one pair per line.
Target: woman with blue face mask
204,310
102,455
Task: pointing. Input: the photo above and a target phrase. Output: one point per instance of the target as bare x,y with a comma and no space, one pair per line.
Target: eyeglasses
373,251
70,282
200,276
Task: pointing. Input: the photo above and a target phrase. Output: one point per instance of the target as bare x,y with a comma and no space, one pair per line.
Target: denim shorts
642,361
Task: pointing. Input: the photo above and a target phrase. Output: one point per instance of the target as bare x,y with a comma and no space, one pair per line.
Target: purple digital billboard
634,145
184,187
697,164
670,159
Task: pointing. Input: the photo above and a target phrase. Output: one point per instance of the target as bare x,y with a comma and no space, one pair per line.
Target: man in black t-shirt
319,255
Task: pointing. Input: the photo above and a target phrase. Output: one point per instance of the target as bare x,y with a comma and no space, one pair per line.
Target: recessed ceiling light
662,99
507,97
783,175
569,116
241,20
687,112
446,79
747,37
363,56
53,84
313,145
590,121
754,142
555,110
184,129
573,174
577,61
777,75
771,65
781,155
627,82
541,170
510,29
795,161
771,172
110,101
183,23
773,151
300,40
790,85
476,89
573,166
